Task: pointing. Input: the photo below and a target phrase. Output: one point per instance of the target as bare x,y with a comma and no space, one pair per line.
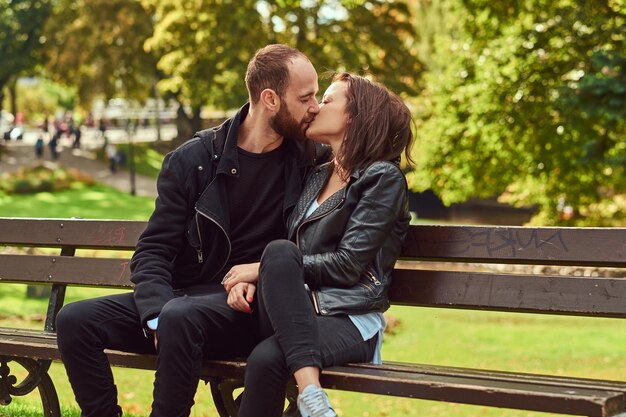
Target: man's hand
241,273
156,340
241,296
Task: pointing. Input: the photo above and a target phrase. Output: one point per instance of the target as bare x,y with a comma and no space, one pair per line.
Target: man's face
299,105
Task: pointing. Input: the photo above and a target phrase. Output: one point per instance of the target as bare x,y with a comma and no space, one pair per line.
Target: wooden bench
421,279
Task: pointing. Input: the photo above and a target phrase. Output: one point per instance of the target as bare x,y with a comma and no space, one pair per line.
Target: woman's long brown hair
379,126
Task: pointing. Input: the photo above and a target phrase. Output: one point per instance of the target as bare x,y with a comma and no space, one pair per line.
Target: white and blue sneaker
313,402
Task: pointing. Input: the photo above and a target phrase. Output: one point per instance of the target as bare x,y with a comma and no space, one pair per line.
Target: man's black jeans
191,327
295,336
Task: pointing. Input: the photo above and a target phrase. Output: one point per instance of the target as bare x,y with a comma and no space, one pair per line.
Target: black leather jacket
350,243
186,242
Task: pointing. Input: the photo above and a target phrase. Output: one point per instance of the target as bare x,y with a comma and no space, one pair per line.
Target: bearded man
222,196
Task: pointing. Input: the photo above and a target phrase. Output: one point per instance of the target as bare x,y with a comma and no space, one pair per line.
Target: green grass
95,202
147,159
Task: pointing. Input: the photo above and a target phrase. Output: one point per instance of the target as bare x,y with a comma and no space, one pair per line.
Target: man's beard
285,125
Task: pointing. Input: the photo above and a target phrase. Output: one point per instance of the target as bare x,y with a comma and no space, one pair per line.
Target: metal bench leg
37,377
292,399
223,390
227,405
49,397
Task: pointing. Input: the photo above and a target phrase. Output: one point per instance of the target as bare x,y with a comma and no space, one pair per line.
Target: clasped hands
240,284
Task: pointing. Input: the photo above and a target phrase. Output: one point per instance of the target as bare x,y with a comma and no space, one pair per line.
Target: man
222,196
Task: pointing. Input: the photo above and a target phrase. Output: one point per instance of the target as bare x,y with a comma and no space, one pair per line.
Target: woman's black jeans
295,336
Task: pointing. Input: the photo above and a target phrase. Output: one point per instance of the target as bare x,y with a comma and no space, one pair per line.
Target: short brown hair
379,126
268,69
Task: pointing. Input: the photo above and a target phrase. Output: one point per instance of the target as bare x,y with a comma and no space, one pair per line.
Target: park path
20,154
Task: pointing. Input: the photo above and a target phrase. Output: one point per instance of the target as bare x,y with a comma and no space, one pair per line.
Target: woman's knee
281,249
280,257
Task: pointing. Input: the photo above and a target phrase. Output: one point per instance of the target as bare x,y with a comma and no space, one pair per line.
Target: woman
321,294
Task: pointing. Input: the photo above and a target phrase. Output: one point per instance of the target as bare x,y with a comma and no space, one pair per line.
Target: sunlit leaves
98,45
21,36
529,106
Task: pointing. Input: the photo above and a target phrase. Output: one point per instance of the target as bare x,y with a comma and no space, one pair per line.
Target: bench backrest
473,267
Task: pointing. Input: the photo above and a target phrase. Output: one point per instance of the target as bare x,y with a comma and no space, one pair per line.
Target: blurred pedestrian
77,135
111,152
39,145
53,145
102,127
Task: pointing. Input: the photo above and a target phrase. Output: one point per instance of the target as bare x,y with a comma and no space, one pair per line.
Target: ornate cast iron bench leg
37,377
227,405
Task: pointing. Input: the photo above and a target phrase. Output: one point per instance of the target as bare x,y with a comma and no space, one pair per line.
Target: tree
98,46
529,107
21,38
205,45
372,37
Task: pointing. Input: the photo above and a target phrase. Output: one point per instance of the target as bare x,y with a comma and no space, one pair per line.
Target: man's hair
269,69
379,126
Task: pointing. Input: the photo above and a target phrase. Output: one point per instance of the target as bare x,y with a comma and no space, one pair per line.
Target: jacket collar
226,143
312,188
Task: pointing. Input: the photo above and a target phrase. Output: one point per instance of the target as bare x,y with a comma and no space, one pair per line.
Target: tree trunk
184,127
13,92
196,119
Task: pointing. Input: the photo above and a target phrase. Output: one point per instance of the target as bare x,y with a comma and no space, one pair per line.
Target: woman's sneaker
313,402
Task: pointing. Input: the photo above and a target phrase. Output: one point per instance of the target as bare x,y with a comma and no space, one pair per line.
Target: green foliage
529,106
205,46
43,178
44,97
21,36
97,46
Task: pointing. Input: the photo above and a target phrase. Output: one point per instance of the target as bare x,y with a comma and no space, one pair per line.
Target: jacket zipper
316,306
373,278
310,219
200,254
230,246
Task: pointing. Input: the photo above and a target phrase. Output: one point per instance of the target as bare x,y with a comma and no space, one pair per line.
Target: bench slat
487,244
475,390
461,387
96,234
562,381
588,246
590,296
109,272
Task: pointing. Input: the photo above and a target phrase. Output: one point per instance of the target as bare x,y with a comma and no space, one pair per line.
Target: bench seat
565,395
442,266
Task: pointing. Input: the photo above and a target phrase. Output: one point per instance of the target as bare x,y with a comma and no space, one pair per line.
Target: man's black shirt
255,200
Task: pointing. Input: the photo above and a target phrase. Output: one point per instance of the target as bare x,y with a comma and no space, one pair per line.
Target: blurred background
520,119
519,105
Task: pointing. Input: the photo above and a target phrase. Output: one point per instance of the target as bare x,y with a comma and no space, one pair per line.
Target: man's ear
270,100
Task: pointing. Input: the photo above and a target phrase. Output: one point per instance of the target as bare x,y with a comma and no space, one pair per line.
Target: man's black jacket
186,242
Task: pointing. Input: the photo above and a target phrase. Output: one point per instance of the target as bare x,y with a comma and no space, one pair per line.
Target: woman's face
330,124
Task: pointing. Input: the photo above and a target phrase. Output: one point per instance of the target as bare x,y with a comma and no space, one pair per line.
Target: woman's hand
241,273
241,296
